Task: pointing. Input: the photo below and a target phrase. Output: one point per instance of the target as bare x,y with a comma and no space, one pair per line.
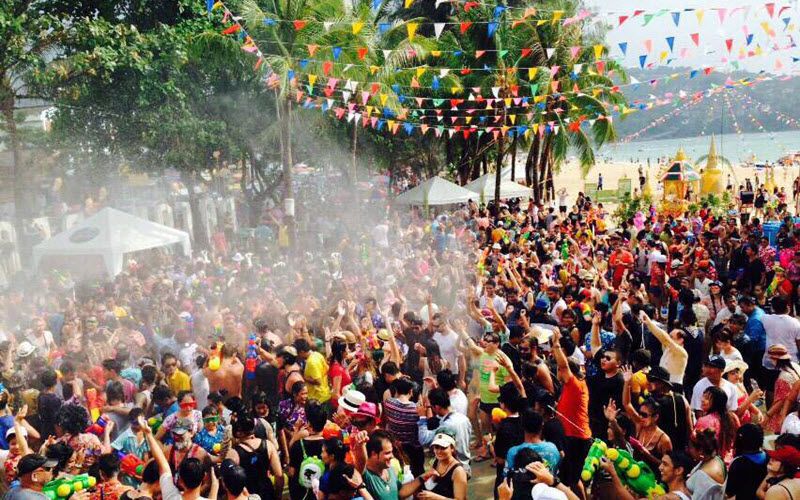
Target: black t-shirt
601,389
753,272
509,434
623,342
267,382
313,448
553,431
513,354
49,404
745,475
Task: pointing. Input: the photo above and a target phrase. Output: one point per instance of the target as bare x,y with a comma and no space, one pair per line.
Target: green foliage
628,206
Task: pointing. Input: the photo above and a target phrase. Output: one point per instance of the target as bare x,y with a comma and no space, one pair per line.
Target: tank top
256,464
444,483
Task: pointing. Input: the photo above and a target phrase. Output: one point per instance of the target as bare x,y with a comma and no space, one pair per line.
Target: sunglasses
210,420
608,357
189,405
644,414
492,340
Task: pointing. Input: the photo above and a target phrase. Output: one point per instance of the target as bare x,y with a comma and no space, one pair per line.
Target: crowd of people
390,361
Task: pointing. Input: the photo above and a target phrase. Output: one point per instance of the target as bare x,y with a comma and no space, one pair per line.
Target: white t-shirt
200,388
726,313
702,286
168,489
458,401
44,343
704,383
791,424
558,308
498,302
781,329
448,347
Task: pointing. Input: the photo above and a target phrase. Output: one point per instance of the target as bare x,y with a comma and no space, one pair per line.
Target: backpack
311,469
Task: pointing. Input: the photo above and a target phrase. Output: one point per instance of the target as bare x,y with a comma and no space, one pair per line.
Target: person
749,467
712,368
674,357
49,403
340,480
674,469
373,456
33,472
651,443
187,412
400,420
133,441
509,430
109,486
450,479
781,482
339,376
447,380
212,432
533,425
315,373
258,457
453,423
781,328
707,478
305,442
233,478
789,375
71,423
718,418
573,411
177,380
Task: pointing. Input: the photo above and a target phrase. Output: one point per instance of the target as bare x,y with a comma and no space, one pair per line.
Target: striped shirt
401,420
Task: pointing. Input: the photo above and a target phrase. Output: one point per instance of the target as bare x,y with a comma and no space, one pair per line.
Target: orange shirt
573,409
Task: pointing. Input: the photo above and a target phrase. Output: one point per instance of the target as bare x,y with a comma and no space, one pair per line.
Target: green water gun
155,423
634,474
592,462
65,487
565,250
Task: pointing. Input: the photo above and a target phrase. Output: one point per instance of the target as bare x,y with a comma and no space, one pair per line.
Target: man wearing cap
781,328
33,472
712,369
675,417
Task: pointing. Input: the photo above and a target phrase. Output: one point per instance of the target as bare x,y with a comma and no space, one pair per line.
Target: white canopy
107,235
484,186
435,191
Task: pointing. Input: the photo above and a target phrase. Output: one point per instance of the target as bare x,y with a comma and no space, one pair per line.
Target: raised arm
563,372
596,343
461,329
627,376
155,448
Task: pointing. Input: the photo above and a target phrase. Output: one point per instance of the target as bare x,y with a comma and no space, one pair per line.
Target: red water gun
132,465
98,428
94,402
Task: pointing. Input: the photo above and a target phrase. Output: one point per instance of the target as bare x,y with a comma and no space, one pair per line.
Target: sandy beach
570,178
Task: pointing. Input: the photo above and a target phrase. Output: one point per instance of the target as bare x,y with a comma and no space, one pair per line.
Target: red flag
327,66
259,63
601,66
362,52
729,44
465,71
622,19
770,9
526,52
465,26
470,5
637,12
230,30
695,38
374,88
708,70
299,24
312,49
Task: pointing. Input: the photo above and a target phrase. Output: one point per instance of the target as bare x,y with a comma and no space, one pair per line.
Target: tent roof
508,189
435,191
110,229
681,171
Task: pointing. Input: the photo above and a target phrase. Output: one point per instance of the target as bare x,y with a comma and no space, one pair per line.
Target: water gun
498,415
634,474
98,427
132,465
251,361
94,403
155,423
215,359
65,487
592,462
565,251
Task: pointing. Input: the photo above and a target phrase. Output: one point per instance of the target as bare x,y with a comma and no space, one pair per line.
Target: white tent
103,239
484,186
435,191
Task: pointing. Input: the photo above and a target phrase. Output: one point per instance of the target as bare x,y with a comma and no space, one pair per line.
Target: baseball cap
33,461
715,362
11,432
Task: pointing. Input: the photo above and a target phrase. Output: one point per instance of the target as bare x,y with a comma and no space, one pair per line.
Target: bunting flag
407,3
491,28
230,30
699,13
598,51
574,51
695,38
337,52
729,44
676,18
464,26
648,45
671,42
622,19
623,47
642,60
362,53
299,24
770,8
721,11
437,29
357,26
209,5
411,28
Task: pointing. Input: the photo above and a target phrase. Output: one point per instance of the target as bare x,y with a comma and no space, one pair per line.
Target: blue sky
740,18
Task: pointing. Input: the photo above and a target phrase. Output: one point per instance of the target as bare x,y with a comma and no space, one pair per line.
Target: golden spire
680,156
711,161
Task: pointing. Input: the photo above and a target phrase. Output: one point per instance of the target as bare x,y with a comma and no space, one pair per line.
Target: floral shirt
87,448
767,256
207,440
289,413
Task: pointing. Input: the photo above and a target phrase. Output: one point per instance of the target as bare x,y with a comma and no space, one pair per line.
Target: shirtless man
229,374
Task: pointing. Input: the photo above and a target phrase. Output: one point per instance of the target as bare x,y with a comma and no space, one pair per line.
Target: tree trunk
543,163
284,115
354,147
498,174
514,158
549,185
200,236
531,164
20,203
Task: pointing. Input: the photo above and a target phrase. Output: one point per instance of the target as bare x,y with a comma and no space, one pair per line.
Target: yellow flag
374,69
700,13
539,98
505,128
596,92
383,98
412,30
454,90
532,73
407,3
468,119
513,119
369,110
312,79
528,133
541,22
557,15
357,27
420,71
390,123
664,55
598,51
216,5
507,101
436,53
